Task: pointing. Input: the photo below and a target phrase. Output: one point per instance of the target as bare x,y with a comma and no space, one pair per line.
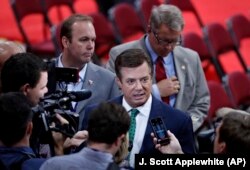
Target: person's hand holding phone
173,147
160,130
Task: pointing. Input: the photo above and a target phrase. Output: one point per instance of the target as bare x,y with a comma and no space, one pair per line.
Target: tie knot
159,59
134,112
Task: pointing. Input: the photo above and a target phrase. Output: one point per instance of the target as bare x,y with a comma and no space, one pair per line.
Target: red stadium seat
126,22
144,7
105,36
192,18
238,86
218,99
42,47
195,42
239,28
220,44
58,10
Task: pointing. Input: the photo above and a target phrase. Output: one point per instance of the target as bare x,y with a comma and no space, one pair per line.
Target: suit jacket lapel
143,45
89,84
156,111
181,71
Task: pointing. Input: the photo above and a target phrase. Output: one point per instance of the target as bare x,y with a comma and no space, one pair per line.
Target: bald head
7,49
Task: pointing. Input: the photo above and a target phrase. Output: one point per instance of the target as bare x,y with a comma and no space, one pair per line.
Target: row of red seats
230,93
219,46
121,32
125,23
34,19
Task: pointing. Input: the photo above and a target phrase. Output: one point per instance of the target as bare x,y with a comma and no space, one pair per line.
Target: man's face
163,40
36,93
136,84
82,45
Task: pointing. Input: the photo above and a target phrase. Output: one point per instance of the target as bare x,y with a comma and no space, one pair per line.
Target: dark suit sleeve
84,122
33,164
186,137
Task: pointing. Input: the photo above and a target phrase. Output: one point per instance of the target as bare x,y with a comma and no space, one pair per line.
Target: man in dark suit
77,38
134,77
185,84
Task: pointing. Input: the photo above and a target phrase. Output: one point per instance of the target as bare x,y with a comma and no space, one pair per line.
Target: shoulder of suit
187,52
100,69
125,46
171,110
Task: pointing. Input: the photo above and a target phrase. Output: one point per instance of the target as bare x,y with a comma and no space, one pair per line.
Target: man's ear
65,42
25,89
29,128
222,147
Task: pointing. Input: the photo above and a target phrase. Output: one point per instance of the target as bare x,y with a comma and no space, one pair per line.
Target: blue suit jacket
178,122
33,164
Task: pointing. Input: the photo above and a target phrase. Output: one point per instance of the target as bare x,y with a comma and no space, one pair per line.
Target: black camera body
59,102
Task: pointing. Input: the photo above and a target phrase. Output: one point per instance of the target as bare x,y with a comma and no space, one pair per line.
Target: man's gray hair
168,15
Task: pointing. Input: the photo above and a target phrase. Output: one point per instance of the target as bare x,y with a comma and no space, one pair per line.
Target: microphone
65,98
55,95
77,96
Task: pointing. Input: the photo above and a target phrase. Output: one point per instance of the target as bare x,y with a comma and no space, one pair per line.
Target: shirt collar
144,109
81,72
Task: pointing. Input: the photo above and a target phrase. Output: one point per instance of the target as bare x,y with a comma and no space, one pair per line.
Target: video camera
59,102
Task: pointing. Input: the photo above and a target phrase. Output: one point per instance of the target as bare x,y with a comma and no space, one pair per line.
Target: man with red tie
178,77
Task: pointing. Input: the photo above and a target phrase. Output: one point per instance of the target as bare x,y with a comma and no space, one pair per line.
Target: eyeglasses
172,43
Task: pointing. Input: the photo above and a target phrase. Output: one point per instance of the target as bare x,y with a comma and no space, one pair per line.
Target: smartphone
160,131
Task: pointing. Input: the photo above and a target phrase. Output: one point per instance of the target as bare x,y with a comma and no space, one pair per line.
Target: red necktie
160,74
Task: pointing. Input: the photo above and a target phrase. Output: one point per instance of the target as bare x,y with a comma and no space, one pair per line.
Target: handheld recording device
160,131
60,102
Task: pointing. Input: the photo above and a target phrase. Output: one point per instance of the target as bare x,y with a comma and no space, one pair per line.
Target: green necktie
131,132
132,127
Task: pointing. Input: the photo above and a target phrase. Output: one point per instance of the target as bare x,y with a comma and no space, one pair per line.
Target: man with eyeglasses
182,83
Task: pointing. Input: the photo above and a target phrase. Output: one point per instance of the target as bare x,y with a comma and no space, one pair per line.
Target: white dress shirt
141,125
